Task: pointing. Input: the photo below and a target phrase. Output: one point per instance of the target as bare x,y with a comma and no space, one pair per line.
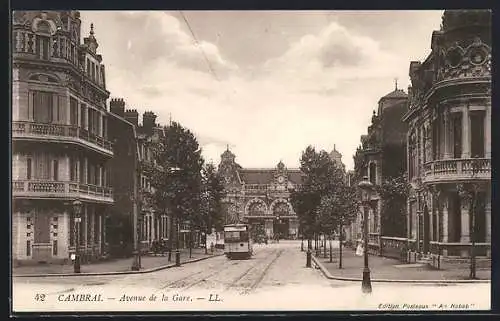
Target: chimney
148,120
132,116
117,106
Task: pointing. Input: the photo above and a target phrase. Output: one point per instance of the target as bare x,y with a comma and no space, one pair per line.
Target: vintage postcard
251,161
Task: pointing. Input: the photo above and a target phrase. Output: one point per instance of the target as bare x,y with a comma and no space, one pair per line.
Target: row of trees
324,202
183,186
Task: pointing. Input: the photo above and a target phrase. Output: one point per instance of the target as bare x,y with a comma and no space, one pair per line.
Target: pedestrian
359,249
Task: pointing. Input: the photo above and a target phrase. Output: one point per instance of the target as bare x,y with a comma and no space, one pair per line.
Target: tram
237,241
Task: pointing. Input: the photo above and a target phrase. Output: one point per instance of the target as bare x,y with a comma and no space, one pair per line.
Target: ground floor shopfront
46,230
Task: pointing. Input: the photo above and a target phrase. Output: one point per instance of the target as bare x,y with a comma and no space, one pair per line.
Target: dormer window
43,47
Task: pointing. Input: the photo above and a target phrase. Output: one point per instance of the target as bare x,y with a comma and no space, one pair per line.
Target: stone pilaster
466,132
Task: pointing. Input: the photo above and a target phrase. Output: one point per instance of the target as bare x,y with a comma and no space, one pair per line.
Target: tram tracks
245,282
184,283
251,278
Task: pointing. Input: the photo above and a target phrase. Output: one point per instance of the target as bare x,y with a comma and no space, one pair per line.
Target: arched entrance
281,224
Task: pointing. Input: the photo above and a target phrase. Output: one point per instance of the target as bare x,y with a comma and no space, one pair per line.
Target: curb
339,278
155,269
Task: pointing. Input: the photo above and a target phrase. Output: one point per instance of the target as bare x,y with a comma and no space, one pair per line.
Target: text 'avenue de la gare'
88,297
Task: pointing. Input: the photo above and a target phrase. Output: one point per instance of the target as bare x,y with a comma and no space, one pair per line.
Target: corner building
60,148
449,139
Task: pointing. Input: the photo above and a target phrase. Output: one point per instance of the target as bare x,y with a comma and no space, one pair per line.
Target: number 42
40,297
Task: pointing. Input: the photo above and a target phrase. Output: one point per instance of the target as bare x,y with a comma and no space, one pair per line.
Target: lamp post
475,169
366,187
77,208
136,265
177,251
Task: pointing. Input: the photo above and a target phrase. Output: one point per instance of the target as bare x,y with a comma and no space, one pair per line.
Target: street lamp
475,169
136,265
366,187
77,209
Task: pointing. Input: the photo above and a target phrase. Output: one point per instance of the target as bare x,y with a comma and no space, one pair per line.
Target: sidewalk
114,265
382,268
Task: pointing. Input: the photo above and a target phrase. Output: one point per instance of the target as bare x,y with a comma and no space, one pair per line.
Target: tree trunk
190,243
324,246
171,239
340,246
331,253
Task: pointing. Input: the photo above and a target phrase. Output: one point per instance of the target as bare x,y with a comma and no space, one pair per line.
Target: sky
265,83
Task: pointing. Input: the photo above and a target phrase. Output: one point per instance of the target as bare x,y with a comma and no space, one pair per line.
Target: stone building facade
130,181
382,156
449,139
260,196
60,146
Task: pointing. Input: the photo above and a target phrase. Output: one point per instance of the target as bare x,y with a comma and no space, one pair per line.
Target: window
83,116
457,135
28,168
54,247
373,173
90,174
56,170
235,236
73,169
43,47
104,127
93,70
103,177
42,166
73,117
28,248
82,172
477,133
43,107
435,139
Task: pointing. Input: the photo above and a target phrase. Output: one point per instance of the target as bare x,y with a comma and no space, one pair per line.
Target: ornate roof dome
227,155
397,93
455,19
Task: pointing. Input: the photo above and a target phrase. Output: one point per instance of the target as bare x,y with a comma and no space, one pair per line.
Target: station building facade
261,196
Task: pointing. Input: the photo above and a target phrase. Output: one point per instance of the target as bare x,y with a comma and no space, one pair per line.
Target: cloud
321,90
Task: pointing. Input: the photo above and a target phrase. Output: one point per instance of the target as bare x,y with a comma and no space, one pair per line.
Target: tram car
237,241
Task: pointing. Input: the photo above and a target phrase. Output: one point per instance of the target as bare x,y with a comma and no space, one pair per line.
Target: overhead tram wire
198,45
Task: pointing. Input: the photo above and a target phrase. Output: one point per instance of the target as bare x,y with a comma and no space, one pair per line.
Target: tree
320,178
175,177
393,191
213,193
339,209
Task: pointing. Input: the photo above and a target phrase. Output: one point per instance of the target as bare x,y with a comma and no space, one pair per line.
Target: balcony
61,133
450,170
61,190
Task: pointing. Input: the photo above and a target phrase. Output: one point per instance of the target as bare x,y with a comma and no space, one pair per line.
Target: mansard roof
266,175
